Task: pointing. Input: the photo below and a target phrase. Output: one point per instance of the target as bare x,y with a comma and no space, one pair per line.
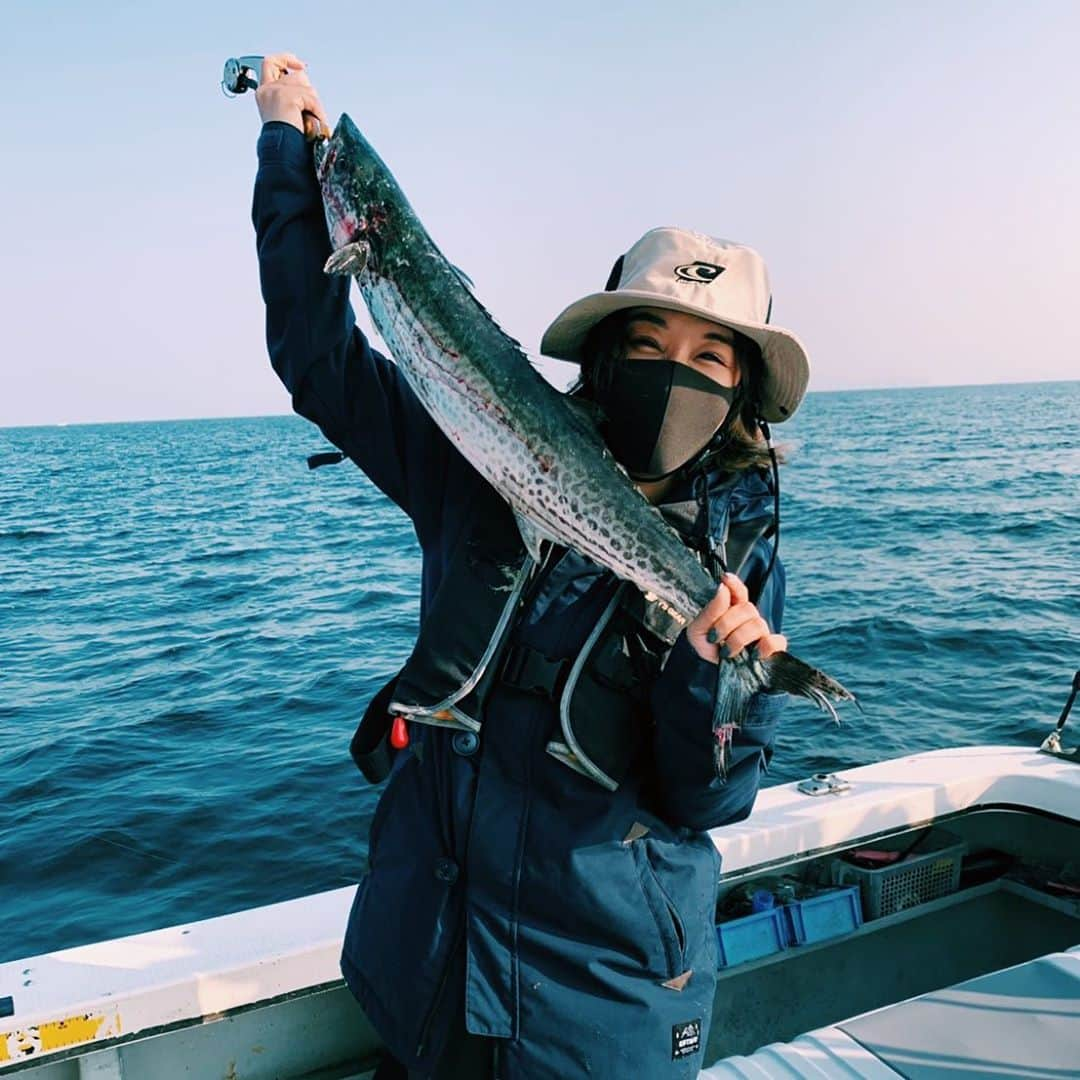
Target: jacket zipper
525,598
675,959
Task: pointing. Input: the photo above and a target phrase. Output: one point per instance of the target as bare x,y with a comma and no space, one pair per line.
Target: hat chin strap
776,500
700,462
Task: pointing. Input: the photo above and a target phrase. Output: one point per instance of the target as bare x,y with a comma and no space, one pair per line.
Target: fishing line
134,851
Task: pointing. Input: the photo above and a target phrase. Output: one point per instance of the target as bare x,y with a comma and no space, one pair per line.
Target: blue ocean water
191,623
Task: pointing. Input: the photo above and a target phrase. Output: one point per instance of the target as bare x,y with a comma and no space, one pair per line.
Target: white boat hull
258,994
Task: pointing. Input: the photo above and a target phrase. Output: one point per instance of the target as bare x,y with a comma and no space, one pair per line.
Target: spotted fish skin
544,457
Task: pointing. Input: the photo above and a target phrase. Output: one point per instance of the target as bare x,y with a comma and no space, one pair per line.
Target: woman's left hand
732,623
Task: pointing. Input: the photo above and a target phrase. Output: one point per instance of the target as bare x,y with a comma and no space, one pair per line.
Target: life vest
465,647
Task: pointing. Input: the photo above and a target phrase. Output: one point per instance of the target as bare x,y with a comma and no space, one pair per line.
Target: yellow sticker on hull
75,1029
58,1035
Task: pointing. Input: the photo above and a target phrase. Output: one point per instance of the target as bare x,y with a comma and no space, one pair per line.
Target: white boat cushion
1023,1021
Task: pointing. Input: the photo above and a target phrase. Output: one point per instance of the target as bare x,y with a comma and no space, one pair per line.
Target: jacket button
446,870
465,743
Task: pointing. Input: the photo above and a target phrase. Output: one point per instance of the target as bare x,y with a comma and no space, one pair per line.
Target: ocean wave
188,648
28,534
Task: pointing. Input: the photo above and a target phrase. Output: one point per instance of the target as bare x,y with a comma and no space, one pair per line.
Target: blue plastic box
825,916
751,937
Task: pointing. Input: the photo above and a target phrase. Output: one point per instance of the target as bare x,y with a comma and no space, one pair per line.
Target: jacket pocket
669,924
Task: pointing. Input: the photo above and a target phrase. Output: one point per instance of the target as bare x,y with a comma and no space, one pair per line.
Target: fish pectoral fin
532,535
350,259
790,674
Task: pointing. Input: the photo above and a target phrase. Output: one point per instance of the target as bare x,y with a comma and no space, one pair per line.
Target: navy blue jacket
557,915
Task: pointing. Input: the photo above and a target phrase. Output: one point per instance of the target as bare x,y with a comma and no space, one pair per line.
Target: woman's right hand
285,93
729,622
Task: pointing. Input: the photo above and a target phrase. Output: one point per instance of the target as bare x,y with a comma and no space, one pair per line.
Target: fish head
362,200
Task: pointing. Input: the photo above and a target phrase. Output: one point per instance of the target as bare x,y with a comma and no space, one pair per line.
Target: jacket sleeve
354,394
691,792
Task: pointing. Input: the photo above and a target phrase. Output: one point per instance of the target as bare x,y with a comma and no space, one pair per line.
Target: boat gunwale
270,962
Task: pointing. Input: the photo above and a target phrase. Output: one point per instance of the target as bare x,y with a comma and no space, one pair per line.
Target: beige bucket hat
702,275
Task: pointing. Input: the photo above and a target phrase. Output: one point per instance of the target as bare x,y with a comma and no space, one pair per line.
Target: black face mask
659,414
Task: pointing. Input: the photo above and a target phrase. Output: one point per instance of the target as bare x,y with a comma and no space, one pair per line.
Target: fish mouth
348,224
346,135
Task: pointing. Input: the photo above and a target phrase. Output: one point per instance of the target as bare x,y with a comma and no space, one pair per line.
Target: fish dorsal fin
589,417
587,410
533,536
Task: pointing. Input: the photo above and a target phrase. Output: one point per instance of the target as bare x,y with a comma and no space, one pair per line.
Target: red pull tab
399,733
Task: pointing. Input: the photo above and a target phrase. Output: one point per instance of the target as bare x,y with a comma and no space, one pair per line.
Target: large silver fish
541,453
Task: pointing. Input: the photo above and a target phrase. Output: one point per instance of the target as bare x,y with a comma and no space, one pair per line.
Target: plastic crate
930,871
825,916
751,937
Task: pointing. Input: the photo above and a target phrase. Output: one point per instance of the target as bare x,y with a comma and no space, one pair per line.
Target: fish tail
731,702
731,697
788,673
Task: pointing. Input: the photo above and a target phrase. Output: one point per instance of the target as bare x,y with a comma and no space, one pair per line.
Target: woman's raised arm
354,394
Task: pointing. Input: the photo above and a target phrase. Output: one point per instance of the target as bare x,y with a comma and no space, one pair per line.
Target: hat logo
701,273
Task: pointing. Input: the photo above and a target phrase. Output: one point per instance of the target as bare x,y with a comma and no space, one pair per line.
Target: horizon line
271,416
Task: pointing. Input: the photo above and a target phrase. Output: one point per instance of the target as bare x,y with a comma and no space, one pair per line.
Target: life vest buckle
532,672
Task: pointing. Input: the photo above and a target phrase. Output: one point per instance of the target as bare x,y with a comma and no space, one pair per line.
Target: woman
524,916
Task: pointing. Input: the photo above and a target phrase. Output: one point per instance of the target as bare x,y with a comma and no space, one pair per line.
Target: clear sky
909,170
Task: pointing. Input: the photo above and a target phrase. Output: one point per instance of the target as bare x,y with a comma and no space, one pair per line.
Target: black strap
327,457
531,671
616,275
